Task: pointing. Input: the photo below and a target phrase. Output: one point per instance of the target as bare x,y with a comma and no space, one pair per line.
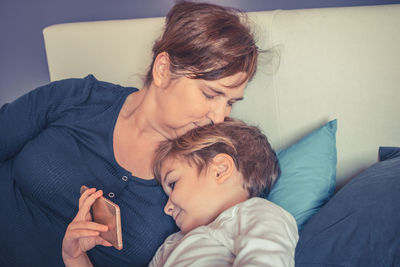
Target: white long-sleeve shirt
252,233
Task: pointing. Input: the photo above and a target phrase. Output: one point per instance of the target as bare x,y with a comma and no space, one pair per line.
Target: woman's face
187,103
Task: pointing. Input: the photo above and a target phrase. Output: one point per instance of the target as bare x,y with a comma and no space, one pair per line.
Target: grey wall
22,56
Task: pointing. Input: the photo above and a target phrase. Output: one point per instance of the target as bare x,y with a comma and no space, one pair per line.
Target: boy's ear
223,167
161,71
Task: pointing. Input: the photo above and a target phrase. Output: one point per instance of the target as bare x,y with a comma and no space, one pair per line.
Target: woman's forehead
234,80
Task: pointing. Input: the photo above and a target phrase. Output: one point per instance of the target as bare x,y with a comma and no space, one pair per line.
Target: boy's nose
169,208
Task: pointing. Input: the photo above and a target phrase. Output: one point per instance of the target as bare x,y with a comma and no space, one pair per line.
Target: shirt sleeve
24,118
267,235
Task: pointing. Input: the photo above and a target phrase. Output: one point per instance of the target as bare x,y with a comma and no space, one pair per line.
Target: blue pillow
359,226
308,176
388,152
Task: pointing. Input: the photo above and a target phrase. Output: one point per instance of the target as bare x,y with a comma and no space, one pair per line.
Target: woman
83,131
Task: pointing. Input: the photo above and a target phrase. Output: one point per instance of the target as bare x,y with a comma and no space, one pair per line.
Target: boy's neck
233,191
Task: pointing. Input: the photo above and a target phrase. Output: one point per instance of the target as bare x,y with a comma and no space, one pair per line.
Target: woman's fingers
88,225
103,242
82,233
78,241
86,201
85,195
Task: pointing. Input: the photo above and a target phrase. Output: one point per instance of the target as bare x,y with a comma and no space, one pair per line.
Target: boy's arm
195,248
267,235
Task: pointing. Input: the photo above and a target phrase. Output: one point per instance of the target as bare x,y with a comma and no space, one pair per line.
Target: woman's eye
171,185
231,103
208,96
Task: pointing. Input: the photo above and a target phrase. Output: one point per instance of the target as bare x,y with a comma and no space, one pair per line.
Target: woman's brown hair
206,41
246,145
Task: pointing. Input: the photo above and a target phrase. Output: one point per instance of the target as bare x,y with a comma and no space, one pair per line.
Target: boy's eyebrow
166,175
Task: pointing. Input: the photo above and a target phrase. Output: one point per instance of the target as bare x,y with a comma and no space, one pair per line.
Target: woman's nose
219,112
169,208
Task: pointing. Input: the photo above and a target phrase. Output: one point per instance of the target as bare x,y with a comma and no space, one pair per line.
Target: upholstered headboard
339,63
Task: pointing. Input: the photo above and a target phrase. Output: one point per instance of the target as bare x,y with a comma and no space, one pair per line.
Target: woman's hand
82,233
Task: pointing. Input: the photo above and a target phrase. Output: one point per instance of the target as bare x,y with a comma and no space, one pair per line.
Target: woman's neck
135,137
140,114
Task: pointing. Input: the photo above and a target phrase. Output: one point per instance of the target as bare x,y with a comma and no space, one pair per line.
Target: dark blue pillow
388,152
360,225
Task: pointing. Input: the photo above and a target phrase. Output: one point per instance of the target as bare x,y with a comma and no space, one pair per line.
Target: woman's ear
223,167
161,71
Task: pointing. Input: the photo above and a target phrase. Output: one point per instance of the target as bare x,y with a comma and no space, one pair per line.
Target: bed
327,96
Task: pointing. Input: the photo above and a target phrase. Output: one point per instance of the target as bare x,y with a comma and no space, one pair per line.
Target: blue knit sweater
53,140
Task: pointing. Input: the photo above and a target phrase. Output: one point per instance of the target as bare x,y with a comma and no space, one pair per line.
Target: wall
22,56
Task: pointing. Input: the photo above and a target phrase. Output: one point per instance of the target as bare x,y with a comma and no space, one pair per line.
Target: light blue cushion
308,175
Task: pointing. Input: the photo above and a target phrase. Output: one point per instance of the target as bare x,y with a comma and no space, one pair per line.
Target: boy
213,175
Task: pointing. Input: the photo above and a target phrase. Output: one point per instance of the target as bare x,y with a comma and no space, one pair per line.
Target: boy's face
194,199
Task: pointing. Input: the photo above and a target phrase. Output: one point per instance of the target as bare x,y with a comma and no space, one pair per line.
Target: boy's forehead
174,163
168,165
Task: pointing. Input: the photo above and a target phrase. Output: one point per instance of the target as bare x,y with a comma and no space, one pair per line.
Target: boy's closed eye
171,185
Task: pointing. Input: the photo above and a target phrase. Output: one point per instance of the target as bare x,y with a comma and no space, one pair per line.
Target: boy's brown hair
247,145
206,41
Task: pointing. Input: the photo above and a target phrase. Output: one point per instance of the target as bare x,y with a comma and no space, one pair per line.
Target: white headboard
339,63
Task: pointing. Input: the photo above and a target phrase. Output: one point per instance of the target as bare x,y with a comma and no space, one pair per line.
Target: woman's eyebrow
222,93
238,99
215,90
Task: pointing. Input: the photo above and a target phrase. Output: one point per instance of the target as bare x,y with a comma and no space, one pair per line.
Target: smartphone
106,212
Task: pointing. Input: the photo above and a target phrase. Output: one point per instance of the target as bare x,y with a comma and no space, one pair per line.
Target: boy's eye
171,185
